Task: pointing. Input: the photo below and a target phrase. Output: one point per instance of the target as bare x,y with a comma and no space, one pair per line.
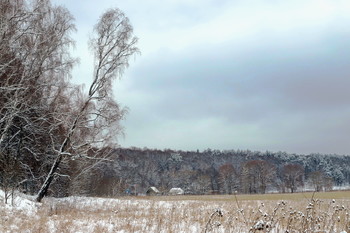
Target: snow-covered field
174,214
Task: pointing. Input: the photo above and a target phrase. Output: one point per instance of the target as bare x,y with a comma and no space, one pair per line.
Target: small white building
176,191
152,191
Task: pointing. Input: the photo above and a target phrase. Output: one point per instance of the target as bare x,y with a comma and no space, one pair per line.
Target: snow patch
20,202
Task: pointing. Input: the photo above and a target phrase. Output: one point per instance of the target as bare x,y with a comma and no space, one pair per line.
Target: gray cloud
292,96
259,75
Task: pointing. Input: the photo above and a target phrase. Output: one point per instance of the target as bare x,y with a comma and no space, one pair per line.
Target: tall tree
91,132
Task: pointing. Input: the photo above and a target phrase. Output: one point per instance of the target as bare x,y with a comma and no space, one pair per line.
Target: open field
300,212
248,197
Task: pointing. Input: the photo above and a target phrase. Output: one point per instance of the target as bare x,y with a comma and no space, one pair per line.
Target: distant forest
134,170
215,172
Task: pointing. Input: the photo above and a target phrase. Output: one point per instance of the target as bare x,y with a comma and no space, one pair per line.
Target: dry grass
321,212
248,197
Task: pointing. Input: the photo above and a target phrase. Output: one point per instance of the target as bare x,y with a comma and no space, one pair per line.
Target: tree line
217,172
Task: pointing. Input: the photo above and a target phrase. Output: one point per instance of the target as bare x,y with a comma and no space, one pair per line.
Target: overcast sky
245,74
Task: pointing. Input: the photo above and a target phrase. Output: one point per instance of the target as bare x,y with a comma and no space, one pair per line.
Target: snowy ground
172,214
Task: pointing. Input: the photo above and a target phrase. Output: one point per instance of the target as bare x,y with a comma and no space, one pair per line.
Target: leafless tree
47,124
256,175
293,176
227,176
91,132
320,181
33,71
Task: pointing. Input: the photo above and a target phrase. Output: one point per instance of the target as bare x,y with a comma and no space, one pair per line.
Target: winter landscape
214,78
302,212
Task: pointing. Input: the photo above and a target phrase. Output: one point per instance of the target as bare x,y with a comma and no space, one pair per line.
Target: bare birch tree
91,134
